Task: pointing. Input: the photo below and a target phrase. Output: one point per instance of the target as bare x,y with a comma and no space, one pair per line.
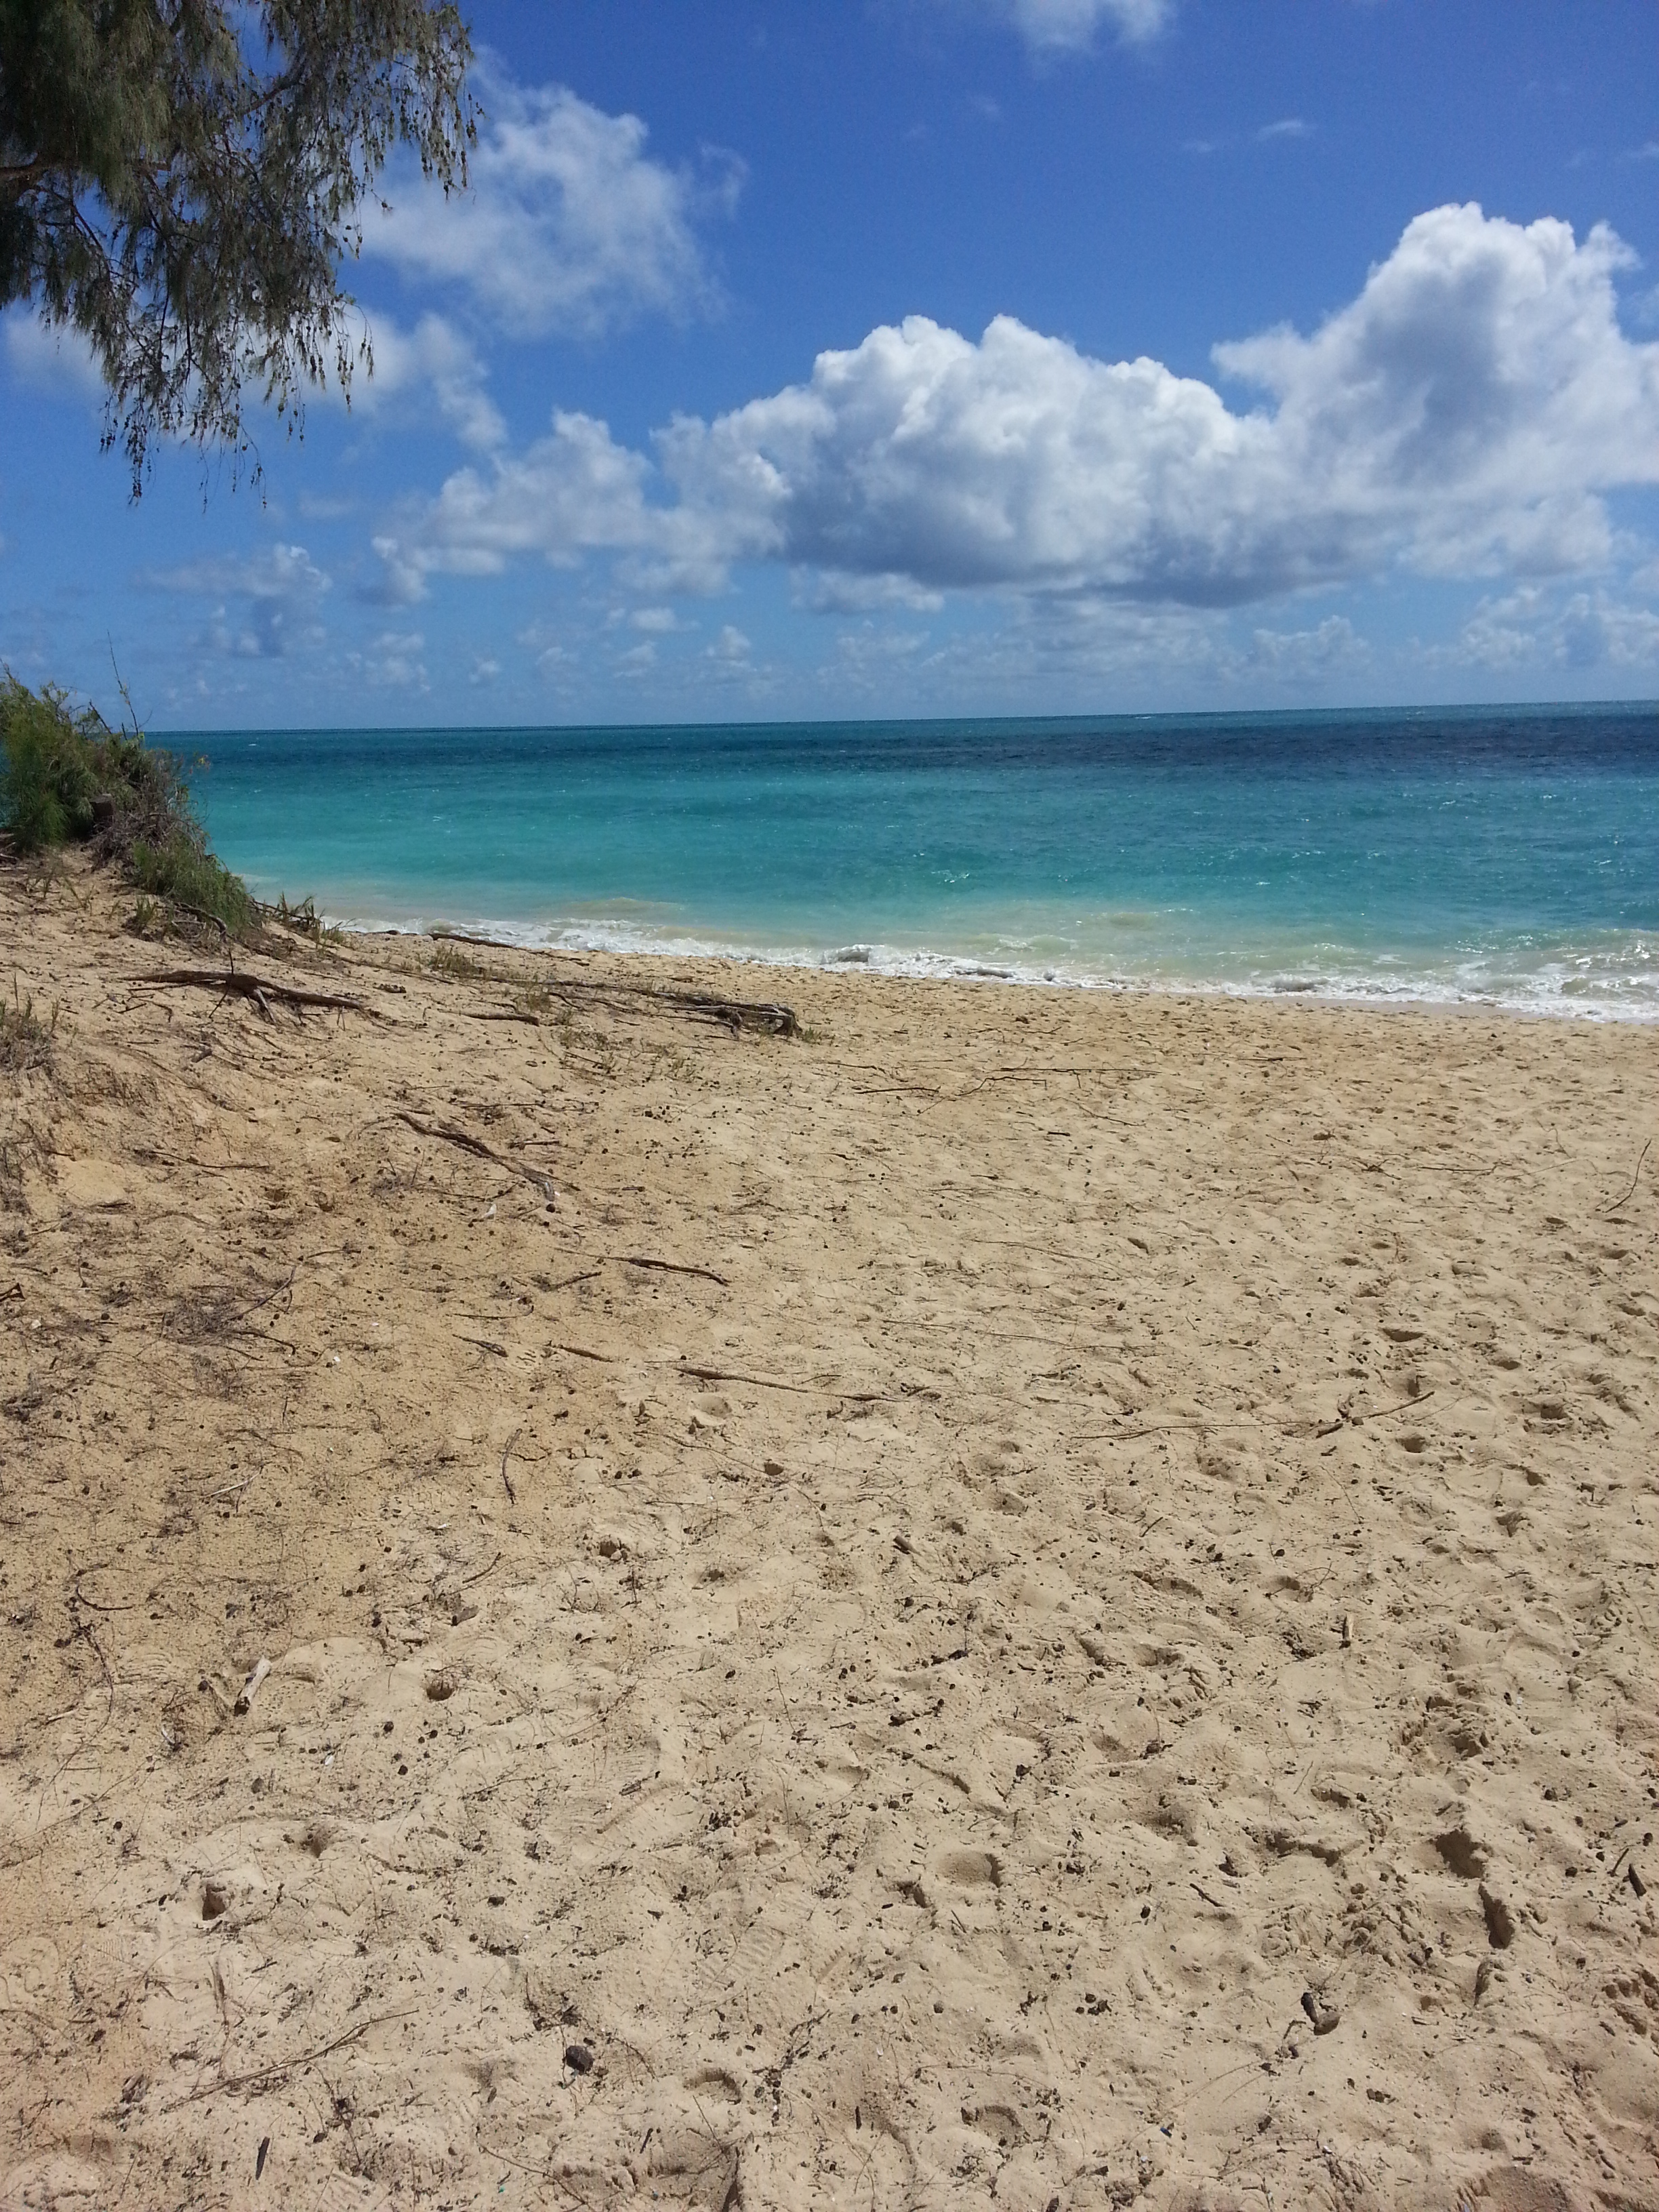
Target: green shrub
67,778
47,757
184,872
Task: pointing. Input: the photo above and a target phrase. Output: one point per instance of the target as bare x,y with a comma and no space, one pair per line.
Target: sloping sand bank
1030,1598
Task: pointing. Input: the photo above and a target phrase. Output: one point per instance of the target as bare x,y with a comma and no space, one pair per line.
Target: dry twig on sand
231,982
665,1266
449,1133
277,2077
1634,1180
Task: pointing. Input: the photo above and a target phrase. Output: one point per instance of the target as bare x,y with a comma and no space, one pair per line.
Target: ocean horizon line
1085,717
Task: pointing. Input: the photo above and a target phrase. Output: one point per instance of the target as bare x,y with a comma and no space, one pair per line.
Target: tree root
232,982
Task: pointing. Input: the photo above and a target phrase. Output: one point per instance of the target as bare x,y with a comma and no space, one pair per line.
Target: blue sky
933,356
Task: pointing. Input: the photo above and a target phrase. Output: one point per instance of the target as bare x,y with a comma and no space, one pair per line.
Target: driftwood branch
757,1382
769,1015
665,1266
447,1134
230,982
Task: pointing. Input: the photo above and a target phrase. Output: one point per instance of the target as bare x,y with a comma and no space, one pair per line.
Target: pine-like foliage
180,180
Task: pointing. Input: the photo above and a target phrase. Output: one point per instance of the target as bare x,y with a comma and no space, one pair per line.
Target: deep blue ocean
1504,855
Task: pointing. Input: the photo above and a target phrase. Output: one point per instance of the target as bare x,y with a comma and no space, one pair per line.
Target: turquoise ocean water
1508,856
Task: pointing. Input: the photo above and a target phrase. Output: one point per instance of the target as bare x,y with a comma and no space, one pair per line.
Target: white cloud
281,587
857,595
1333,648
869,648
433,355
50,358
1530,628
1288,126
1047,24
572,492
568,224
281,572
1464,415
392,661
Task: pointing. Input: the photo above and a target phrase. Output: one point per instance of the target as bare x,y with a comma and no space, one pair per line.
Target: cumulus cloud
572,492
569,224
1048,24
433,356
279,589
391,662
1465,414
853,595
1332,647
1530,629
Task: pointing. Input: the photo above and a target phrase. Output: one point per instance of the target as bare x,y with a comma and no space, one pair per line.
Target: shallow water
1498,855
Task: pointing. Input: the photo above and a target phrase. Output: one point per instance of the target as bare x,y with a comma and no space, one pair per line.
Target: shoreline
1030,1594
950,969
1514,865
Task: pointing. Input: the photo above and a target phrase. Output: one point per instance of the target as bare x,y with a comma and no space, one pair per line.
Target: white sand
1166,1464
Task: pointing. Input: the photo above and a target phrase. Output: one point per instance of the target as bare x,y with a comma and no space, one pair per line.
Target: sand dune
1029,1598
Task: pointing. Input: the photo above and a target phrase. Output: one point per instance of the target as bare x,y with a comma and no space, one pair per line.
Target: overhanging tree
181,179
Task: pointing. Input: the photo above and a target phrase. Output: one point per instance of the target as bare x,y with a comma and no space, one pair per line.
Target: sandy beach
1027,1597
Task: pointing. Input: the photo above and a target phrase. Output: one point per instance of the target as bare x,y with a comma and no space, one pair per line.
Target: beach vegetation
178,186
66,778
26,1041
183,872
304,920
455,965
533,998
48,767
